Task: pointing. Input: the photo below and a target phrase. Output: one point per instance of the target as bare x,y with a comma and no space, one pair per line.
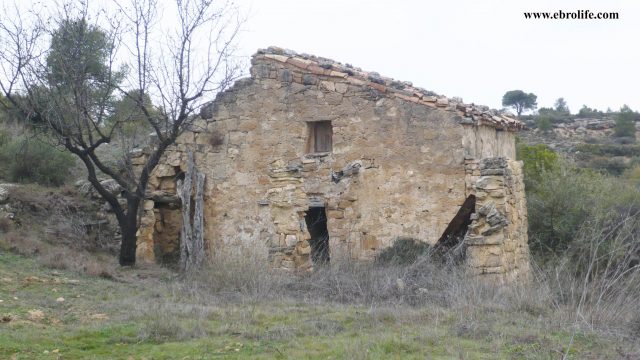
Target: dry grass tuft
5,225
554,294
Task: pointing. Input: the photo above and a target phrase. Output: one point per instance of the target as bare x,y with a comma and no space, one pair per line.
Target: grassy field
53,314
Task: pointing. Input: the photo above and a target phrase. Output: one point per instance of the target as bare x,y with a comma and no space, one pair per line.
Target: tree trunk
129,229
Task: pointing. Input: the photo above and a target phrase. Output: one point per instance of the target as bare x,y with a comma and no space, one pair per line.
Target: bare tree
64,76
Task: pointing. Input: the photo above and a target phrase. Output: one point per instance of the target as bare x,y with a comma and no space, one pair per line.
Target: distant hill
591,142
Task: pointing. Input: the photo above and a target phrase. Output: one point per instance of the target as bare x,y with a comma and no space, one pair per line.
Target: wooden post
191,236
198,223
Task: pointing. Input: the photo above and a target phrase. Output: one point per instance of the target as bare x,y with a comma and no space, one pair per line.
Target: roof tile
393,88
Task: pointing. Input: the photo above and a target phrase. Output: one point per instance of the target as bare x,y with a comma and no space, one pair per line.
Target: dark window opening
320,137
316,219
457,229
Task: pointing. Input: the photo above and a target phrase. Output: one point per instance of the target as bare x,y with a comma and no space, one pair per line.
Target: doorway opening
316,219
457,229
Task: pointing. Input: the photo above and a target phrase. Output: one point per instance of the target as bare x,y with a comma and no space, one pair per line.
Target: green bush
625,123
612,166
609,149
544,123
31,161
537,159
554,116
564,202
403,251
588,112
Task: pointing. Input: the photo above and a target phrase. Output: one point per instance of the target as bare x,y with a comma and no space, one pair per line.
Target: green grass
147,320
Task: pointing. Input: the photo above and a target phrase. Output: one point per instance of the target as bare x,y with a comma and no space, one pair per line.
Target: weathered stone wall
397,166
484,141
497,242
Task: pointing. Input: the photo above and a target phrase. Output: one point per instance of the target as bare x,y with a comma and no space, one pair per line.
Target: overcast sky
476,50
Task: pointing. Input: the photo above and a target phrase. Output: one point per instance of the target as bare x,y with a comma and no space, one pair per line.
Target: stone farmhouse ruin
309,161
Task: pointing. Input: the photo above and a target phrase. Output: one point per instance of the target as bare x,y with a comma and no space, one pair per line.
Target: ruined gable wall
410,180
403,165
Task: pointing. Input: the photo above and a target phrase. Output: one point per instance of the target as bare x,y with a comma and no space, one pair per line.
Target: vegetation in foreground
48,314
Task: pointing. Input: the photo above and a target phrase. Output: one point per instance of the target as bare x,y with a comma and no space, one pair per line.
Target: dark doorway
455,232
316,219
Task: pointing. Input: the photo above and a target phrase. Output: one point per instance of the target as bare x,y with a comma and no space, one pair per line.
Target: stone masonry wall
397,166
497,243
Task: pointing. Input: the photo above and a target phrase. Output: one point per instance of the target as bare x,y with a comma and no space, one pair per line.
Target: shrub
564,201
31,161
625,123
609,150
588,112
612,166
4,137
625,140
544,123
403,251
554,116
5,225
538,159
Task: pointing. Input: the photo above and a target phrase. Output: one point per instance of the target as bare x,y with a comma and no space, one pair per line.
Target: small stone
341,87
60,299
149,204
308,79
36,315
4,194
99,316
328,85
291,240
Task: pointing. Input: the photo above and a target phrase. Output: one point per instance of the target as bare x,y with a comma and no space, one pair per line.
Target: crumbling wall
497,242
397,165
262,178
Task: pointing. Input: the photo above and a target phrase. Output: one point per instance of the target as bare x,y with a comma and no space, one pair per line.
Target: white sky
476,50
473,49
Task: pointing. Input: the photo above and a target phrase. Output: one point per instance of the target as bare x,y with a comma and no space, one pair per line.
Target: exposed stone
4,192
383,158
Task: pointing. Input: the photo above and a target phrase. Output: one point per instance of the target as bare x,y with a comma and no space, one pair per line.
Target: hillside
589,141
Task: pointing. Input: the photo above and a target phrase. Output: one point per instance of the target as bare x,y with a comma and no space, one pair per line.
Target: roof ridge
478,114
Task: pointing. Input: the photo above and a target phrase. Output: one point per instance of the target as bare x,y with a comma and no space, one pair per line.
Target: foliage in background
26,160
565,201
609,149
130,116
587,112
561,105
543,123
625,123
537,160
519,100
